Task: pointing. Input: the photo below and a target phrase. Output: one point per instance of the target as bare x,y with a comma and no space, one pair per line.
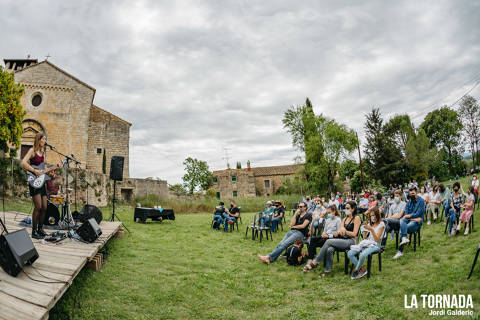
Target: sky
196,77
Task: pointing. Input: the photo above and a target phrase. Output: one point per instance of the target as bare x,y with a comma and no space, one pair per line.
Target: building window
215,179
218,195
99,150
234,193
234,178
37,99
267,183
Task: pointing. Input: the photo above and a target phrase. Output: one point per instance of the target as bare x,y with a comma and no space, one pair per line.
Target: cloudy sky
195,77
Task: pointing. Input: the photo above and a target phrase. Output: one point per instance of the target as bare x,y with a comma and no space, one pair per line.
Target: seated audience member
372,234
412,220
395,213
445,195
372,202
456,203
475,184
295,253
318,214
231,214
310,204
332,225
341,202
278,214
218,215
432,204
468,209
363,204
423,193
345,237
267,214
299,226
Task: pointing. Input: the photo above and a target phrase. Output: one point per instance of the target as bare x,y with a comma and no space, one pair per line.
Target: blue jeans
227,218
219,220
263,220
408,226
287,241
446,207
452,217
274,225
352,255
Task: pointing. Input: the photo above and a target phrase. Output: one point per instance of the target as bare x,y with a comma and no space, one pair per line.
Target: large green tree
400,127
197,176
443,127
418,155
383,158
11,111
469,112
323,141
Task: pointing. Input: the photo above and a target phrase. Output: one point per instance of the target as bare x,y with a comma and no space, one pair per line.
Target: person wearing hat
266,216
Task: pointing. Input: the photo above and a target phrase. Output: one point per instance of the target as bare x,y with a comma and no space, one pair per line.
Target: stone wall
110,133
244,184
64,111
275,183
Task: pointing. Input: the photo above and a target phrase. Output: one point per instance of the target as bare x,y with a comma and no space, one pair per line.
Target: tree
418,155
323,141
104,162
400,127
383,158
470,116
348,168
197,175
443,126
11,111
239,165
177,189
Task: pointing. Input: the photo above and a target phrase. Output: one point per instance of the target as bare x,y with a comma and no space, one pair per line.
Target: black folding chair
383,244
253,226
474,262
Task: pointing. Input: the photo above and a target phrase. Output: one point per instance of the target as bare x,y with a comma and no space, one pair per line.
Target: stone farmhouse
249,182
62,106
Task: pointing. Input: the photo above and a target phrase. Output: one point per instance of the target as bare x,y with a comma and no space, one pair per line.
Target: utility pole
360,157
226,157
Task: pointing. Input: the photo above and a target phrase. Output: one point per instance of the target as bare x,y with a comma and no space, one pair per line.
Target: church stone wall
64,111
110,133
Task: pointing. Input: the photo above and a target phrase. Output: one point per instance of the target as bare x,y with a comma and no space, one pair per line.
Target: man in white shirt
395,213
432,204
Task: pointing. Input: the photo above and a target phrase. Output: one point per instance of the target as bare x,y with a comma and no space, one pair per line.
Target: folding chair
253,226
397,234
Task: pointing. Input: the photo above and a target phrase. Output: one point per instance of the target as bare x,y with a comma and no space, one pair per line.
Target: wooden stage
23,298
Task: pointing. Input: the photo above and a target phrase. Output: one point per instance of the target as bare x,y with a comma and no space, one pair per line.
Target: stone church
62,106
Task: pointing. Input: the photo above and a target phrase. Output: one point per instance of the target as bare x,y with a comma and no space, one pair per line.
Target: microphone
73,156
50,146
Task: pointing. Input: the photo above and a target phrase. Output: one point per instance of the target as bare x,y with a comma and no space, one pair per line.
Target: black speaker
116,168
88,212
16,251
89,230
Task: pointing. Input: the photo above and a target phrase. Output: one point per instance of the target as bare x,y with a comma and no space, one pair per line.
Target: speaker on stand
116,174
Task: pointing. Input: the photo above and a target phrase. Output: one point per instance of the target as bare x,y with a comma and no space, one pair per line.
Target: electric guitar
38,182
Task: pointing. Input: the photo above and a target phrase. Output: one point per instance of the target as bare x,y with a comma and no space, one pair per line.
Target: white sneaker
429,223
454,231
459,227
404,241
466,231
398,255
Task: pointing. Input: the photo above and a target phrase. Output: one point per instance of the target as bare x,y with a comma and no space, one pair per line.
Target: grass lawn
183,269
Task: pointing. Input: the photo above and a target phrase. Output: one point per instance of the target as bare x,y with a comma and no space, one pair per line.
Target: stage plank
24,298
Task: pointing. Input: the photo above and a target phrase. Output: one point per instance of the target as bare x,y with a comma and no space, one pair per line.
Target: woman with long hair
36,156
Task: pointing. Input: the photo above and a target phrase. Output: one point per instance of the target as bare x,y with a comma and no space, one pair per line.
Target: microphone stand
3,203
88,185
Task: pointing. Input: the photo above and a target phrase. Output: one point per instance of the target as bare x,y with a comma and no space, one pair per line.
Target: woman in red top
36,156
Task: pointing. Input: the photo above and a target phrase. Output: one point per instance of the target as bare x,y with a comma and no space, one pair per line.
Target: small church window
267,183
234,178
215,179
37,99
99,150
235,193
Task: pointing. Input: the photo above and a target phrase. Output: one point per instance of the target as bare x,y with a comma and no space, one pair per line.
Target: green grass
182,269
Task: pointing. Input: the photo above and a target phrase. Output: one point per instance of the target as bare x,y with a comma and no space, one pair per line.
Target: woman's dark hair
441,187
221,203
471,189
456,184
334,209
36,142
379,196
376,212
353,205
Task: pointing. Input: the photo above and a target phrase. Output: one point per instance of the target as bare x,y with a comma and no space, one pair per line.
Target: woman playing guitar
36,156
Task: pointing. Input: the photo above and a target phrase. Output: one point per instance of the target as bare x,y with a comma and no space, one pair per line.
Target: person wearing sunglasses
298,229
